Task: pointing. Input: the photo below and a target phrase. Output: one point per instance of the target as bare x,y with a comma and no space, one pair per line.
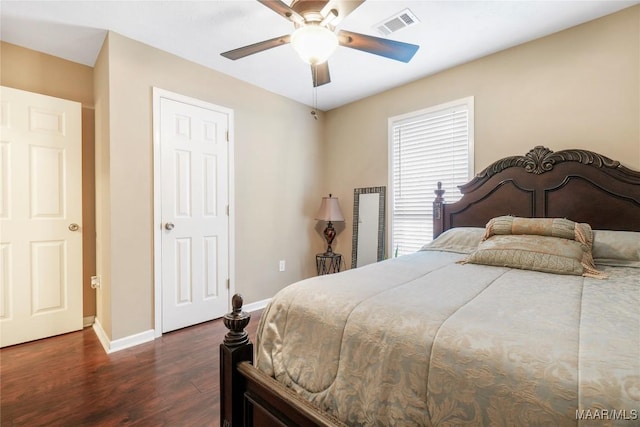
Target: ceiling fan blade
343,7
241,52
320,74
283,10
384,47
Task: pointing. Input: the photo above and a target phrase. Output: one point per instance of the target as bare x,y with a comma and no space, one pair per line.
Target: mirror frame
382,203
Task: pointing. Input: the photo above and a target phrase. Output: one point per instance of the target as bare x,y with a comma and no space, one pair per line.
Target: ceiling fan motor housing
309,9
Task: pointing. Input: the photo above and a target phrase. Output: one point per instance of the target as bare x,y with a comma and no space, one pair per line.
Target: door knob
74,227
169,226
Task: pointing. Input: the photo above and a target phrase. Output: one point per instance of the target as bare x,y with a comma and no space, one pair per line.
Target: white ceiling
449,33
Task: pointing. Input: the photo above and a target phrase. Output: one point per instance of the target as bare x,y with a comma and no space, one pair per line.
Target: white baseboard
132,340
146,336
255,306
101,334
121,343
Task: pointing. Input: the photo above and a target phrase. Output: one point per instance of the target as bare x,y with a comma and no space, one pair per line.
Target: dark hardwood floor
69,380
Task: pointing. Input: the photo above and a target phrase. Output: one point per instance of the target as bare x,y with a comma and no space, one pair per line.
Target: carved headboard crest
541,159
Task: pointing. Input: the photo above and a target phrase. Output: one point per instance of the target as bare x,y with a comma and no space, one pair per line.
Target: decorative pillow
616,248
551,245
461,240
552,227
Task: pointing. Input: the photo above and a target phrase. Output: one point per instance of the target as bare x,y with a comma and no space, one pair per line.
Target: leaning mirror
368,226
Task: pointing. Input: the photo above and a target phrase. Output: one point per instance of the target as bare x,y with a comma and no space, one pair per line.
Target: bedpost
438,217
235,348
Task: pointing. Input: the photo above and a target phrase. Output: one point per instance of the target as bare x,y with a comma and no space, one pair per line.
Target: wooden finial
439,192
236,321
236,303
437,203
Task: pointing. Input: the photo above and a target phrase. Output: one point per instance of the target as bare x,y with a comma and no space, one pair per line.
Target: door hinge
227,136
227,210
228,283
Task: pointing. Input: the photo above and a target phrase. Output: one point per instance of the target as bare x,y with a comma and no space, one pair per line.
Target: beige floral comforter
423,341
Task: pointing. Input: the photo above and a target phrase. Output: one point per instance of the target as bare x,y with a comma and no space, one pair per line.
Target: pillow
616,248
551,245
461,240
552,227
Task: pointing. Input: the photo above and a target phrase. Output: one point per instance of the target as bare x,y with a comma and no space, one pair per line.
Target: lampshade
329,210
314,43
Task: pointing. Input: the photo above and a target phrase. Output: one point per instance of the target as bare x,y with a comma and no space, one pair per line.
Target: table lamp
329,211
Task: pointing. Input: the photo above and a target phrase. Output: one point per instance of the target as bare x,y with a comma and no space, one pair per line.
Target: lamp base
329,235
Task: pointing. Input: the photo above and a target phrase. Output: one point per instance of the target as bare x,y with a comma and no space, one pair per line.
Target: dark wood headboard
576,184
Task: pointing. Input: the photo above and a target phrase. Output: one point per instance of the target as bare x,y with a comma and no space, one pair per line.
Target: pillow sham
461,240
538,253
616,248
550,245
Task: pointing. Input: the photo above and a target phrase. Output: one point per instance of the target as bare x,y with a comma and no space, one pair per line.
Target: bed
437,338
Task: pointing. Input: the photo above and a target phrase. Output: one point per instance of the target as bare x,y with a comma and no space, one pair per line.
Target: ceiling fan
315,37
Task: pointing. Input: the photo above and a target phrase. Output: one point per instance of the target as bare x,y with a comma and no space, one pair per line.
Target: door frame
158,94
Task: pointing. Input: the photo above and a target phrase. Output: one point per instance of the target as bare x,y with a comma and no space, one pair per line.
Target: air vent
397,22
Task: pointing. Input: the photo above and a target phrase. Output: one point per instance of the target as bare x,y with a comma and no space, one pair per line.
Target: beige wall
103,188
579,88
33,71
277,166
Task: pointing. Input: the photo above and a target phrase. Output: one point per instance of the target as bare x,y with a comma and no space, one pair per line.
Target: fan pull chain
314,94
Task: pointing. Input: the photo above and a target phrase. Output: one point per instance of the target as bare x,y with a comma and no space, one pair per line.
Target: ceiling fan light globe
314,44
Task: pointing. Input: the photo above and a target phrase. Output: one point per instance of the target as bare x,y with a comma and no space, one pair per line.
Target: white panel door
40,216
195,196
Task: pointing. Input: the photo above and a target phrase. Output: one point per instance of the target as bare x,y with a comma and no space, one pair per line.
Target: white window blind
426,147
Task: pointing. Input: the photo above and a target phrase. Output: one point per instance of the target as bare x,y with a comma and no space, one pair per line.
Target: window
426,146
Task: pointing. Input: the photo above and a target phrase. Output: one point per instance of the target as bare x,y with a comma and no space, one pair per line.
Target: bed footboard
249,397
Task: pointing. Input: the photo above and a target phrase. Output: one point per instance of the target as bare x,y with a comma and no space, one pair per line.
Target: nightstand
328,263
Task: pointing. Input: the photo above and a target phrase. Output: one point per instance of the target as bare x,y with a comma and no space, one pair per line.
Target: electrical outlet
282,265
